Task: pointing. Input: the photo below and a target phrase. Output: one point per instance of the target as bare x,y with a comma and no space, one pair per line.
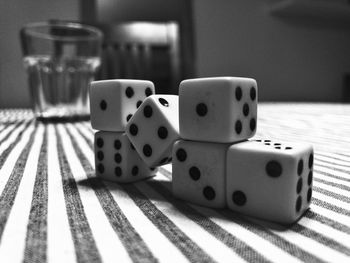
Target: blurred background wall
292,58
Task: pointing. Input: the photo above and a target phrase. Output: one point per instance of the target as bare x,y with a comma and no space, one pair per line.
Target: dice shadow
160,190
132,189
260,224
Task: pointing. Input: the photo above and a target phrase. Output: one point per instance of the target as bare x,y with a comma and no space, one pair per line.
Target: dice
117,160
113,102
220,109
199,172
270,180
154,128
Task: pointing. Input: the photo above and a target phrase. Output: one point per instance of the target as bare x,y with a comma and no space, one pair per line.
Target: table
53,209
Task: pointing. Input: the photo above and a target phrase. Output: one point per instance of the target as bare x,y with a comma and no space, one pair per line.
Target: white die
220,109
199,172
113,102
270,180
117,160
154,128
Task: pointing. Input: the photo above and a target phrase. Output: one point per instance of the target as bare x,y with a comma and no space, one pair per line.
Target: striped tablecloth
53,209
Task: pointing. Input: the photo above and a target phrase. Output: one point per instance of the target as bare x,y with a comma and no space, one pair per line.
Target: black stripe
330,175
190,249
88,126
333,163
326,221
319,238
36,239
9,193
332,194
238,246
341,186
84,243
165,172
343,154
331,207
8,150
266,234
10,131
5,127
7,123
310,233
132,241
89,129
338,170
333,157
89,142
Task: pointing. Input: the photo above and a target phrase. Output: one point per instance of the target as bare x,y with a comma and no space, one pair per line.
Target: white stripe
11,138
327,231
168,167
342,219
88,152
88,127
59,238
330,188
331,200
160,246
84,130
6,131
206,241
331,172
333,167
334,162
100,226
332,155
11,160
313,247
328,178
14,235
323,229
258,243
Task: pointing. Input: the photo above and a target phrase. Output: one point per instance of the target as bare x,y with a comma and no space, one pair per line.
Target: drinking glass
61,59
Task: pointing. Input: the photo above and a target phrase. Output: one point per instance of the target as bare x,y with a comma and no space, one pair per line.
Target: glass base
63,119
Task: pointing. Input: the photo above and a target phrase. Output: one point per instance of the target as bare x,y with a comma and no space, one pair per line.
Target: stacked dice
154,128
215,165
112,104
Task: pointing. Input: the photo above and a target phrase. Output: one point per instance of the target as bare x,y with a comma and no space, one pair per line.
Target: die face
154,128
270,180
199,173
222,109
133,93
113,102
104,105
116,160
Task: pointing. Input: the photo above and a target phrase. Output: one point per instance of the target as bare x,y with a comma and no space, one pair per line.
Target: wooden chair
143,50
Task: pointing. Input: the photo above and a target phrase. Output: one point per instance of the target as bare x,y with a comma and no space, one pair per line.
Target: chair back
143,50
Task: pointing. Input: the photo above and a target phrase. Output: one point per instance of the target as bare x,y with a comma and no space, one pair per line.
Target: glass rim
30,29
